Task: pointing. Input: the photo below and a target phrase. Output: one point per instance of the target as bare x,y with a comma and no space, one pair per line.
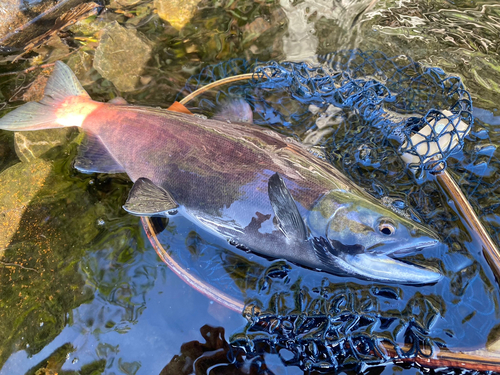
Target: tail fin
62,88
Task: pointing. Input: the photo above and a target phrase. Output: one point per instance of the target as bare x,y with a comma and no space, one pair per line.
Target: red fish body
249,185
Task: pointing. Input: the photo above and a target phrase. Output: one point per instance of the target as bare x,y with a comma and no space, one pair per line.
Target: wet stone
89,26
117,4
14,198
81,64
30,146
121,56
176,12
54,49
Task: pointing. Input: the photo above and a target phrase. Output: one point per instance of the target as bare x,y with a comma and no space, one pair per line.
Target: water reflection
312,20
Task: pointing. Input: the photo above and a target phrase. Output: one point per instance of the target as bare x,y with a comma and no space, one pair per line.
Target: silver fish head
361,236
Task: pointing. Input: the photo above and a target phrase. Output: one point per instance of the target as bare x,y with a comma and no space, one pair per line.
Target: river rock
176,12
81,64
11,17
121,56
31,145
122,3
15,198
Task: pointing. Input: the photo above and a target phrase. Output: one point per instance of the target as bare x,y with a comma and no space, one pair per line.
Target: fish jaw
387,269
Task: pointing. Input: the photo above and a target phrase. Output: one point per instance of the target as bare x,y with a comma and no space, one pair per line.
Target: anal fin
94,157
147,199
289,219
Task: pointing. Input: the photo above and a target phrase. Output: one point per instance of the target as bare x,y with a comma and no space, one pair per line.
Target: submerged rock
81,64
11,17
33,171
30,146
123,3
121,56
176,12
15,198
52,50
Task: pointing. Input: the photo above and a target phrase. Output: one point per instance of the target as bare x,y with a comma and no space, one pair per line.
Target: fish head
359,224
361,236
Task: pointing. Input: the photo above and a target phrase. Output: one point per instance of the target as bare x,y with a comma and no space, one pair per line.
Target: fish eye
387,227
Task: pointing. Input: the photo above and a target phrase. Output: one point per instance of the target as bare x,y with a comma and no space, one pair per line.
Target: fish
257,189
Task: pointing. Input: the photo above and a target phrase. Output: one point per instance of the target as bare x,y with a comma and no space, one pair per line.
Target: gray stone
30,146
81,64
121,56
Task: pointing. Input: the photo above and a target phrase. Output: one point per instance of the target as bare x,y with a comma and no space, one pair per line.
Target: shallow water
82,289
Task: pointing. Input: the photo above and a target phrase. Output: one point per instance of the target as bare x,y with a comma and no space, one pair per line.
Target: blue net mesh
375,117
396,95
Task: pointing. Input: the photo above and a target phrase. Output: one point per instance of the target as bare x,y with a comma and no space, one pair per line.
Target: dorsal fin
93,156
118,101
147,199
178,107
289,219
235,111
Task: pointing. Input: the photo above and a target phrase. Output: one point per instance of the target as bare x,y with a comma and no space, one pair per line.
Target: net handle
476,229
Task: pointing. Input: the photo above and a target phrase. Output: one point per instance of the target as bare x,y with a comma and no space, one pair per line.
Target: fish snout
425,236
417,238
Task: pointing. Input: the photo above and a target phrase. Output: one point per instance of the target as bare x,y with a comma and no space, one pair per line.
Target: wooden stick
239,77
480,360
476,228
190,279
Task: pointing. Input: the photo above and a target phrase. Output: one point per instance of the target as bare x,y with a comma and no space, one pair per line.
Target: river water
82,289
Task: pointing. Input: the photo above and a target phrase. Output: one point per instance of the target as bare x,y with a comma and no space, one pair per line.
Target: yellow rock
176,12
15,196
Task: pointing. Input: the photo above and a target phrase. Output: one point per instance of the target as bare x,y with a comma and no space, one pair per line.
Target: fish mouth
383,264
415,247
387,269
378,265
394,248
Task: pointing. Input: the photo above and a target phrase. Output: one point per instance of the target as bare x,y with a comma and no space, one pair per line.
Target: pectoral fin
384,268
288,216
147,199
